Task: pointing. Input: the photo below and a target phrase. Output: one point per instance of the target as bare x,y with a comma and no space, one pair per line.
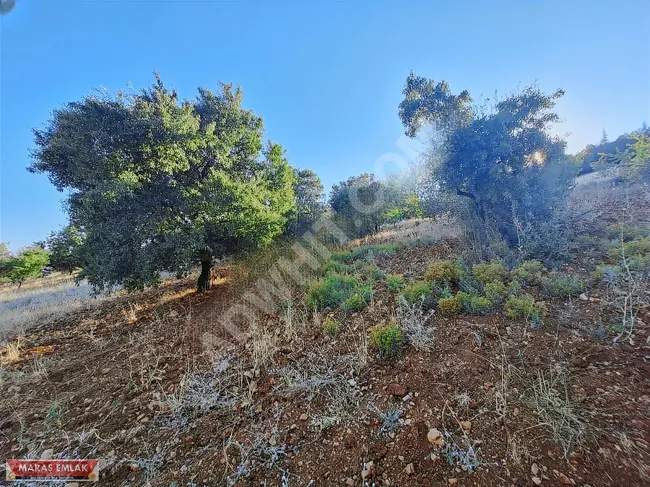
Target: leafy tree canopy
358,204
160,184
29,263
64,247
502,159
308,189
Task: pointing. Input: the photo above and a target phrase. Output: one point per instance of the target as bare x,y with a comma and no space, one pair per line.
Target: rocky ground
495,402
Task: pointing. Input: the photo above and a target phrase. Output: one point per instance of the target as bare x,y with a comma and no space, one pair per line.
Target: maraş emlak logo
49,470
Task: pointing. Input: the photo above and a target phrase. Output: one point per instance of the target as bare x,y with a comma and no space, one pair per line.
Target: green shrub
626,231
525,307
387,339
563,285
514,288
336,267
366,251
496,292
356,302
332,291
473,304
331,327
636,248
529,272
417,292
369,271
490,272
341,256
395,283
449,306
443,272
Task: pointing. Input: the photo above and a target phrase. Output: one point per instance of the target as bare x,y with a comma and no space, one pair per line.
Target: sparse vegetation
395,283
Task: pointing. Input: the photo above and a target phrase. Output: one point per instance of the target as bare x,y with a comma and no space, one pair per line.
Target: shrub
412,320
356,302
336,267
563,285
443,272
496,292
369,271
395,283
449,306
341,256
417,292
370,251
331,327
490,272
387,339
514,288
473,304
636,248
529,272
332,291
525,307
626,231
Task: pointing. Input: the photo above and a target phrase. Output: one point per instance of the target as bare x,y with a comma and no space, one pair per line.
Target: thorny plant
199,393
390,419
412,320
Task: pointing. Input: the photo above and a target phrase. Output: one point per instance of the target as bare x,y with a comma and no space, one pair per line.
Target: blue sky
326,76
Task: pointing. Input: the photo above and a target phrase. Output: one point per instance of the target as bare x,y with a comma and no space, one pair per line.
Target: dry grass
555,410
11,353
428,229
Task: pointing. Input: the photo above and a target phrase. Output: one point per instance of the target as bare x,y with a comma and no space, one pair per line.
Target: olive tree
503,159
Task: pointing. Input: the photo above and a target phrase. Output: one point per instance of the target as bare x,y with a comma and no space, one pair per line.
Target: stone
303,417
564,479
584,297
537,481
397,390
352,382
452,481
350,482
466,425
534,469
410,469
434,436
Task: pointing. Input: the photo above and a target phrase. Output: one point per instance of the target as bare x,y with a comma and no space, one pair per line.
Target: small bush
331,327
342,256
514,288
336,267
496,292
443,272
563,286
636,248
473,304
490,272
418,291
449,306
626,231
356,302
526,308
332,291
387,339
371,251
395,283
369,271
529,272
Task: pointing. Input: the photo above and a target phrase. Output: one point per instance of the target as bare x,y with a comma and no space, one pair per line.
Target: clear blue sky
326,76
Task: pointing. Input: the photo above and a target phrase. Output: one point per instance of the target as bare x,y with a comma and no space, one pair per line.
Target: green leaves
159,184
29,263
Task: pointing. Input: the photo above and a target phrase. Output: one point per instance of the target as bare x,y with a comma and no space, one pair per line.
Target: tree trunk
204,283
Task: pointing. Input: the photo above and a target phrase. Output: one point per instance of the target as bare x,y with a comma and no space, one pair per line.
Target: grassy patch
335,290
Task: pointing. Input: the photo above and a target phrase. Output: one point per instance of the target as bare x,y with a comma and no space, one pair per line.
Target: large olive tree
503,159
160,184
